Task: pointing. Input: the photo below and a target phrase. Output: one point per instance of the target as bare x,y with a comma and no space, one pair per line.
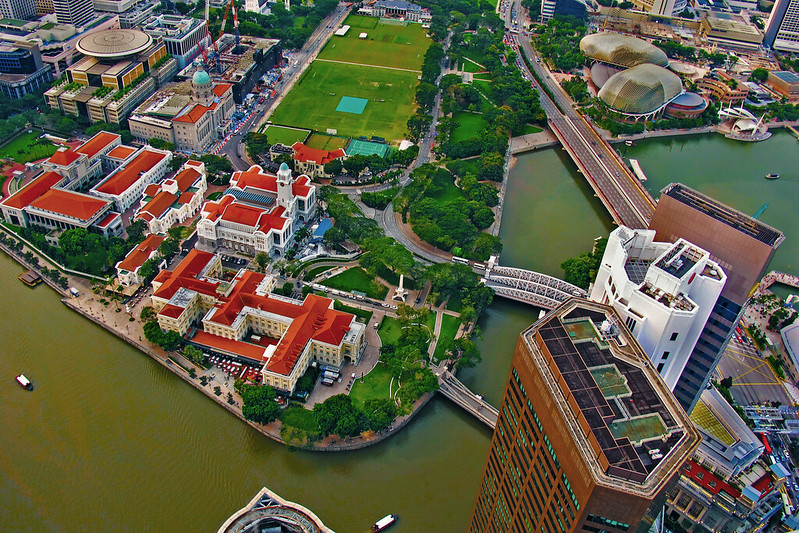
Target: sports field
312,102
387,45
287,136
321,141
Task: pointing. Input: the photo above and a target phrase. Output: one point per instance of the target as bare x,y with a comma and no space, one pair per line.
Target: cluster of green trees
577,88
779,111
168,340
452,223
581,270
258,403
426,92
382,254
558,41
257,144
379,199
350,221
459,15
453,280
338,415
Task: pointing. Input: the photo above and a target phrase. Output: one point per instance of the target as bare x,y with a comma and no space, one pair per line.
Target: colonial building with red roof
312,161
259,212
83,164
128,268
175,200
190,114
243,320
47,204
125,185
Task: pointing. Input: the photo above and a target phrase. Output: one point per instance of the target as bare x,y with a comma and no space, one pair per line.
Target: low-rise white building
84,164
663,291
128,268
125,185
259,212
175,200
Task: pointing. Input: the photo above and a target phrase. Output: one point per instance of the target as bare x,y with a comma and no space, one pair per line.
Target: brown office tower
589,437
742,246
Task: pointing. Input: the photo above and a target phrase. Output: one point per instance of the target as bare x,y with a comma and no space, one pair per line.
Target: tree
262,260
337,415
193,354
334,237
333,168
490,166
136,230
355,164
302,234
147,314
759,74
426,95
161,144
259,403
148,270
379,413
418,125
74,241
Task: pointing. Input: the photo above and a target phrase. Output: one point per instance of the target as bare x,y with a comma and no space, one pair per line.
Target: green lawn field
470,124
449,327
23,149
287,136
320,141
373,386
356,279
387,45
312,102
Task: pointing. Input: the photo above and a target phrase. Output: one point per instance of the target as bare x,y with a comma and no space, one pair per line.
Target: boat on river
772,176
24,382
384,522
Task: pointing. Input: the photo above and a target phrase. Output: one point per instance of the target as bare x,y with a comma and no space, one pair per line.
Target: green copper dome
283,167
201,77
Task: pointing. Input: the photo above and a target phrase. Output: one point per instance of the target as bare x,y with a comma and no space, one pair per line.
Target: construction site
240,61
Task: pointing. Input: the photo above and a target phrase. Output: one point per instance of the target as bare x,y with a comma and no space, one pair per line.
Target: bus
461,260
479,266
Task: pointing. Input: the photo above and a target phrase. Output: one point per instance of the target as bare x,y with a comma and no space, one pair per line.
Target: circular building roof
622,50
114,44
201,77
641,89
689,100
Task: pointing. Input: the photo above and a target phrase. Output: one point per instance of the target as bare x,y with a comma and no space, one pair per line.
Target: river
110,440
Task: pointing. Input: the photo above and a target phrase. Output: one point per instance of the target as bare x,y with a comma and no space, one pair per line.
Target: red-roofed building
175,200
14,206
258,213
128,268
125,185
312,161
85,162
243,308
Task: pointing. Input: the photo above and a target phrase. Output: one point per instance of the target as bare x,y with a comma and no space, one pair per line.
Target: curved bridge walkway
474,404
529,287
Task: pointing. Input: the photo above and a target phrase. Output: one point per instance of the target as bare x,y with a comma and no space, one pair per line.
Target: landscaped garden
449,328
374,385
469,125
357,279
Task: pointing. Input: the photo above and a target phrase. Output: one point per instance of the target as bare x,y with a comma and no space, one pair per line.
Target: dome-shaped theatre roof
114,44
641,90
689,100
622,50
201,77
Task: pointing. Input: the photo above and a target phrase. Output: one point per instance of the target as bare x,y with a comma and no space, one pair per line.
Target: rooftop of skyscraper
622,416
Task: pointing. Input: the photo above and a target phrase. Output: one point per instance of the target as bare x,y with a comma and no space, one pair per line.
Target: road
300,60
618,189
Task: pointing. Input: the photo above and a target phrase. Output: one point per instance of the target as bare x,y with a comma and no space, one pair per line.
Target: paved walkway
367,65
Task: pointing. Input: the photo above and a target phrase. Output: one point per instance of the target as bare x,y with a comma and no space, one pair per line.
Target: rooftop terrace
624,419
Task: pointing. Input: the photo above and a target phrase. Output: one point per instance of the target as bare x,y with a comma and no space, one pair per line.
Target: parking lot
753,380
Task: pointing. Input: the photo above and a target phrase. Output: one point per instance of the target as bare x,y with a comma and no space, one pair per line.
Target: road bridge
529,287
621,193
473,403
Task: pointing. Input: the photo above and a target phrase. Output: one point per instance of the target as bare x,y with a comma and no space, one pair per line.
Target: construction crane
200,45
236,26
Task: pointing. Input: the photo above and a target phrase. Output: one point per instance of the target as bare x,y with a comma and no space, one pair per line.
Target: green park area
283,135
449,328
313,101
386,45
321,141
357,279
374,385
469,125
27,147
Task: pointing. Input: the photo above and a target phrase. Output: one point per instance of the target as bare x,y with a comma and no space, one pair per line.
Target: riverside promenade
124,324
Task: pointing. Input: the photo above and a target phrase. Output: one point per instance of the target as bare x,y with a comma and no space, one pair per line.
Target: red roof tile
320,157
221,88
185,275
243,349
107,219
69,203
152,189
141,252
159,204
186,178
121,152
242,214
97,143
172,311
193,115
63,158
33,190
125,176
257,179
186,198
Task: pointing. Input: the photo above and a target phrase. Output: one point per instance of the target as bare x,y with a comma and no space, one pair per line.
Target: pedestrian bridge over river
473,403
529,287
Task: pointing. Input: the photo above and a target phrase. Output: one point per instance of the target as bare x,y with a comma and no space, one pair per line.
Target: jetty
639,173
30,278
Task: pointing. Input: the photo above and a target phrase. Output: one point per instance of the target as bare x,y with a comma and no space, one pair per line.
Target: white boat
384,522
24,382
